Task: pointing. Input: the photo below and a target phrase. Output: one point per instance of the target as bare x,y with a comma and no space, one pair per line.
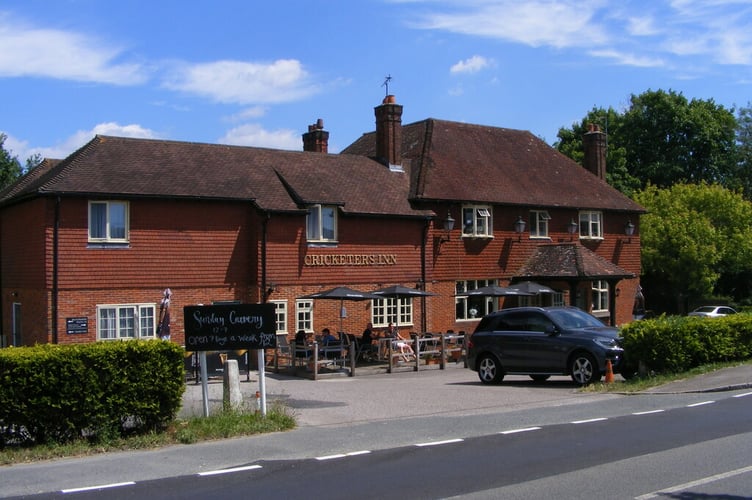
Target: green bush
57,393
670,344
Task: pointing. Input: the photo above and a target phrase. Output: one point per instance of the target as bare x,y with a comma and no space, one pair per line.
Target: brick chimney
316,139
389,133
594,143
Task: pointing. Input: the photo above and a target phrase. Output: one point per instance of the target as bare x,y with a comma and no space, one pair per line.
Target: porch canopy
573,263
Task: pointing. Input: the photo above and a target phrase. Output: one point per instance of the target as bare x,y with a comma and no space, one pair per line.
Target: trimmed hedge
671,344
57,393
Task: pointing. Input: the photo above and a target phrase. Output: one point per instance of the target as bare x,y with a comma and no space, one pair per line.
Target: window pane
117,220
328,223
126,322
98,220
107,325
146,321
313,223
468,219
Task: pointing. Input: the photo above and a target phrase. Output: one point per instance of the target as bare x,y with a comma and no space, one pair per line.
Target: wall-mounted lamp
572,228
617,292
629,228
519,227
271,288
448,226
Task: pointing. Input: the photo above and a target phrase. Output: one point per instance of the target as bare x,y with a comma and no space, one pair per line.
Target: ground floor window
385,311
125,321
304,315
600,296
280,315
470,308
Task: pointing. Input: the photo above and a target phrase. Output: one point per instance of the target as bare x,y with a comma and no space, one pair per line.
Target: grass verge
222,425
638,384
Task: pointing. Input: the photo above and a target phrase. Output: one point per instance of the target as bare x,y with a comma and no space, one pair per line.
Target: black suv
543,341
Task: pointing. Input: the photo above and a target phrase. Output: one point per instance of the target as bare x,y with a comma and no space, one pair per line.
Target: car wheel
584,369
489,370
540,378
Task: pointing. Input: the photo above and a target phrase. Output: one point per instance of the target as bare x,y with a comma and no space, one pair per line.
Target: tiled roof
458,161
275,180
569,260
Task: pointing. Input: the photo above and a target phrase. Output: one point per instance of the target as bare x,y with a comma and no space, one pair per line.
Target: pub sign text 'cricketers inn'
377,259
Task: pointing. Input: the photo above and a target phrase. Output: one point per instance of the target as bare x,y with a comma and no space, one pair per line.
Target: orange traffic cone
609,372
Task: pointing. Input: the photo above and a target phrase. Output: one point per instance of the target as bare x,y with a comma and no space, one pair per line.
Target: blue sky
258,73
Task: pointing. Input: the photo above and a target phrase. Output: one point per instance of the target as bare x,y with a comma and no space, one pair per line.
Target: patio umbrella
163,327
531,287
496,291
398,292
342,293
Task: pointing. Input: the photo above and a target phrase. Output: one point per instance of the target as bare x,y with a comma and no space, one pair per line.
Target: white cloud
248,113
628,59
63,149
50,53
241,82
471,65
253,134
535,23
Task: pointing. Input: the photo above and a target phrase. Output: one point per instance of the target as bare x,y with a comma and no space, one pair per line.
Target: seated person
301,341
329,339
402,346
366,345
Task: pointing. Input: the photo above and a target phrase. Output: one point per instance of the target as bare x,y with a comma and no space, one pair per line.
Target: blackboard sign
230,327
76,325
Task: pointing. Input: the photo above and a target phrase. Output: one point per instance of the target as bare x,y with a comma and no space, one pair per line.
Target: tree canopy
10,168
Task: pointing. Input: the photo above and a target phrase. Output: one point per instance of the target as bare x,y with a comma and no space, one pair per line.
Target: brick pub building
88,244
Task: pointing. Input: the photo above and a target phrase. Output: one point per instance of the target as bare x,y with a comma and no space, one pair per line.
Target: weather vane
387,79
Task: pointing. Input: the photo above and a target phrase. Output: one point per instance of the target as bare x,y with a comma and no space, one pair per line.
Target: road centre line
702,403
648,412
692,484
100,487
437,443
228,471
590,420
343,455
515,431
742,395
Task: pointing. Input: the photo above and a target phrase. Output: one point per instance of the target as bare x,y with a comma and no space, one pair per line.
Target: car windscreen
574,318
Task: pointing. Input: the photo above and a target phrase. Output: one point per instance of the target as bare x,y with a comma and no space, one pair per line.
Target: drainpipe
423,246
264,237
55,268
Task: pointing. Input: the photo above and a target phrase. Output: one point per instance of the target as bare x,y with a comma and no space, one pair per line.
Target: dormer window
321,224
539,223
108,221
477,221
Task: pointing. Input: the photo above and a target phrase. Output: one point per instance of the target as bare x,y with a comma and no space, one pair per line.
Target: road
672,446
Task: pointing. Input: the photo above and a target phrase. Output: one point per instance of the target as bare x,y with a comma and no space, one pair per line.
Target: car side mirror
552,331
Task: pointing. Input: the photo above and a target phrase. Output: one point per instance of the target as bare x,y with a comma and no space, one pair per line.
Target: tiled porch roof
569,261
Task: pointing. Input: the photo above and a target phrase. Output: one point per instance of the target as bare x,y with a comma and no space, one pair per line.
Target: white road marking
343,455
437,443
515,431
701,404
742,395
229,471
589,420
699,482
100,487
648,412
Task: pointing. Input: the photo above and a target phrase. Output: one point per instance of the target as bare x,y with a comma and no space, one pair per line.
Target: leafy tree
744,149
570,143
671,140
10,169
696,243
663,139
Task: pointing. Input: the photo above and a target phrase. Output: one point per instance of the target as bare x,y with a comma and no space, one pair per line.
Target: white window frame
600,292
591,225
477,221
304,315
464,305
280,315
384,311
321,224
126,321
105,234
539,223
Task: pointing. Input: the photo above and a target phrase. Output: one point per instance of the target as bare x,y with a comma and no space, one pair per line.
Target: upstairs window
477,221
539,223
591,225
322,224
108,221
